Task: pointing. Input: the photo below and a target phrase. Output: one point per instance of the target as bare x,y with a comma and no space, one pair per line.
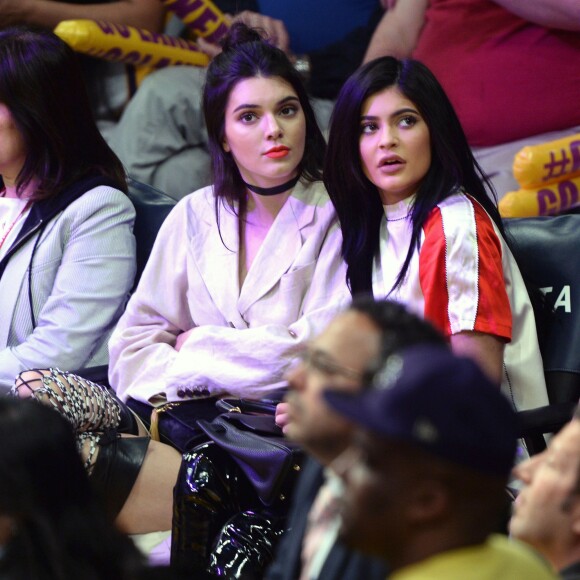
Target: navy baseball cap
440,402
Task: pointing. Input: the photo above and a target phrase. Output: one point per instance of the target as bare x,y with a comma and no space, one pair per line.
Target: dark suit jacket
341,564
571,572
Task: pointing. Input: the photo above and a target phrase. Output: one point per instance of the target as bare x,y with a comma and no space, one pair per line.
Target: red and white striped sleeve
461,273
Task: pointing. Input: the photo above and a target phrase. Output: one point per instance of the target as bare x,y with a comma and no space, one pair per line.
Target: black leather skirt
119,461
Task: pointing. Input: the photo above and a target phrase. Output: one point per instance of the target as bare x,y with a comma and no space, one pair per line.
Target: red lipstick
277,152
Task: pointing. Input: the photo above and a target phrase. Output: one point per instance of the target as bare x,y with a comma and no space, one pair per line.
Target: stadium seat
546,250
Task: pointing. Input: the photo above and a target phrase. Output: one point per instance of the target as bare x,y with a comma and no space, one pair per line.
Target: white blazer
244,339
82,271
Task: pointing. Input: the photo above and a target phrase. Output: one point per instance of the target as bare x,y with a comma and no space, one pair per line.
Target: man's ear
428,501
575,515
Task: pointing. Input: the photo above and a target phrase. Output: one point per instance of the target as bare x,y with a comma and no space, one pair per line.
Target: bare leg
90,408
149,507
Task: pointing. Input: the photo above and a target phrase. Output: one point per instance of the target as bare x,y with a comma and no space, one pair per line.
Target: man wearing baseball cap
426,472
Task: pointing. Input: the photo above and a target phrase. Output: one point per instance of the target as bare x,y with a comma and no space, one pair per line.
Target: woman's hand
181,338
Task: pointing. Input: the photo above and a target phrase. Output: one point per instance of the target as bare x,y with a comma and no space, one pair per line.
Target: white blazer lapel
279,249
10,290
216,253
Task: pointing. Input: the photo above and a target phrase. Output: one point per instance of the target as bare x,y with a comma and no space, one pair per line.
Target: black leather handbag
245,466
257,445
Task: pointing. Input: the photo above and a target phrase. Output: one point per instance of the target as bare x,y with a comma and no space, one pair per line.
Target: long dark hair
356,199
246,55
59,528
42,86
399,328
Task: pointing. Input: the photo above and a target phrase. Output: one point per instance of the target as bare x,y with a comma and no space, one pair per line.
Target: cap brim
360,409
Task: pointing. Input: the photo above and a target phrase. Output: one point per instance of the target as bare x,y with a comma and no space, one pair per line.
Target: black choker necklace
273,190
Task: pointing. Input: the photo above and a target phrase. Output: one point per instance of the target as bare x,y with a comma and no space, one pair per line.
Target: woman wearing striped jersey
420,224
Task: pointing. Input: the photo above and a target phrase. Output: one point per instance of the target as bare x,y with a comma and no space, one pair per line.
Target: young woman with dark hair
241,275
246,270
67,251
420,224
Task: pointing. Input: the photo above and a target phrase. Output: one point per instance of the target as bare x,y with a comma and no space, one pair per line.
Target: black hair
42,86
399,328
356,199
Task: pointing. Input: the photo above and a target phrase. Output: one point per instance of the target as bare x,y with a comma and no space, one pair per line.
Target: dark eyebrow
393,115
332,362
283,101
324,354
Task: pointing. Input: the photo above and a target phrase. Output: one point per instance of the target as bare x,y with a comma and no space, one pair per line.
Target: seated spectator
419,226
255,267
426,471
341,356
67,251
547,510
497,49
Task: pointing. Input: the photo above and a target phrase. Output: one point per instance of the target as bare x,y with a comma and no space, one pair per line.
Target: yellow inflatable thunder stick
202,17
129,45
550,199
546,163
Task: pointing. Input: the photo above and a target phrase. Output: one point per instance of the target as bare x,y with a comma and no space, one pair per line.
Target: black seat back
152,207
546,249
548,252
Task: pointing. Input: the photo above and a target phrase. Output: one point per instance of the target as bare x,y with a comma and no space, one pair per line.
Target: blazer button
292,334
